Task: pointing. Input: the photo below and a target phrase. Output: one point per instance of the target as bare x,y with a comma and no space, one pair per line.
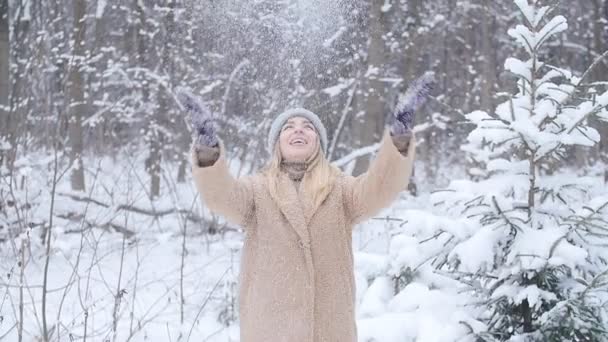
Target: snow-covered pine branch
536,253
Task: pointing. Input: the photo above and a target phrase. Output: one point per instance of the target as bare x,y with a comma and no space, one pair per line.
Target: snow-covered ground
99,277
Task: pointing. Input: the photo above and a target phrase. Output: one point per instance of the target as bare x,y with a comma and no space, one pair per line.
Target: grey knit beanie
281,119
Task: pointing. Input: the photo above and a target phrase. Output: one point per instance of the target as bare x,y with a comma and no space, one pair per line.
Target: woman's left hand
414,97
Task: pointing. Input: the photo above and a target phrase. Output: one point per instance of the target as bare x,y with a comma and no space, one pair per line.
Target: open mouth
298,142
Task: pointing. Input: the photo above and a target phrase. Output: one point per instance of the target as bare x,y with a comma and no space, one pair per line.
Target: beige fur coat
296,281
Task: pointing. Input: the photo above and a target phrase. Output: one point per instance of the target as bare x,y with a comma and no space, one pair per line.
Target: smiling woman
298,139
300,154
296,281
294,118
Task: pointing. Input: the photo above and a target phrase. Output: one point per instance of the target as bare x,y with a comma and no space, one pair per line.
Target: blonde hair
317,181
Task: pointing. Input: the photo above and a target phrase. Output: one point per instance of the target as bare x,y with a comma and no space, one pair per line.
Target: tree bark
412,66
5,118
368,123
604,145
157,144
4,59
152,163
76,103
600,42
489,62
102,134
158,138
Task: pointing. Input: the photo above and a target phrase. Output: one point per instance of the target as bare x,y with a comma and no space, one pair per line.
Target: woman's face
298,139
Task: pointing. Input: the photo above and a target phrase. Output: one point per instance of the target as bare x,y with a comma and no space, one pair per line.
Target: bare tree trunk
368,122
412,53
102,141
468,94
604,145
5,119
76,104
600,35
181,172
489,62
600,42
4,58
156,148
157,145
183,135
143,51
412,56
158,140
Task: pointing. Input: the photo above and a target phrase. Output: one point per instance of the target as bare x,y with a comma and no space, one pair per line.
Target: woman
296,279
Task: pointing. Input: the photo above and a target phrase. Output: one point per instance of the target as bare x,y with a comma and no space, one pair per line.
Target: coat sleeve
222,193
387,176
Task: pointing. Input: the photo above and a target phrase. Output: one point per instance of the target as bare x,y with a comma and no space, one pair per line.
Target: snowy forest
502,234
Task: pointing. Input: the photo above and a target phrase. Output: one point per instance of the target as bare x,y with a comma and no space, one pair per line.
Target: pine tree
534,253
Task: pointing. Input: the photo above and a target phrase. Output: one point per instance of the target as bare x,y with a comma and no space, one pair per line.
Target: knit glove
409,102
203,130
205,142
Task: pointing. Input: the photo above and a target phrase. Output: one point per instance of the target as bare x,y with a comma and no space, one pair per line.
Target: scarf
297,169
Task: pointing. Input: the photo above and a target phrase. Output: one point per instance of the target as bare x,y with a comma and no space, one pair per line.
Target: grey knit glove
203,129
409,102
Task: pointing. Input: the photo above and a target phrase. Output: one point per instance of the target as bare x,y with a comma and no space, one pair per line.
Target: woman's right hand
203,129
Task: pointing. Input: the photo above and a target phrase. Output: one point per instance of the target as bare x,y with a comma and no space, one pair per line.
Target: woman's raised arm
222,193
388,175
390,171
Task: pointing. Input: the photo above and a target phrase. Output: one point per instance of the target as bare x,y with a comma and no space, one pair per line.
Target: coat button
304,244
